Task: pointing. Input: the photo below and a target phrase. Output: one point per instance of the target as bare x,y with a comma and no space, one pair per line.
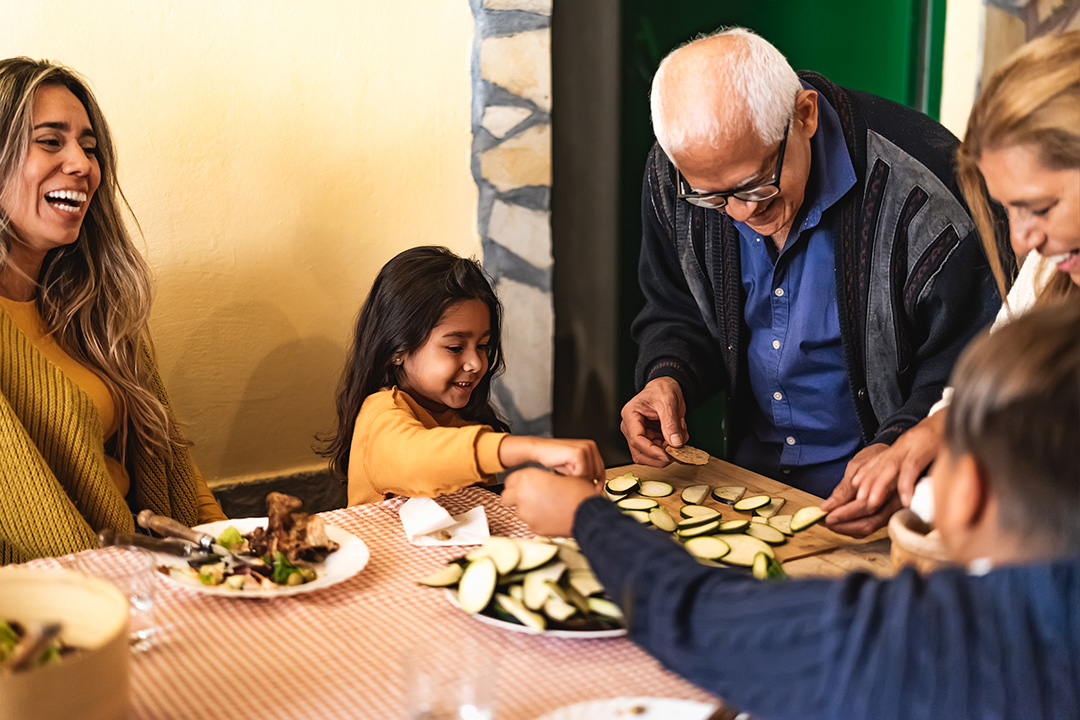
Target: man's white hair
752,87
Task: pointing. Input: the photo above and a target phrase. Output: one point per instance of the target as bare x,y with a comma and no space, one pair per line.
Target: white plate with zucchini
633,708
349,559
537,586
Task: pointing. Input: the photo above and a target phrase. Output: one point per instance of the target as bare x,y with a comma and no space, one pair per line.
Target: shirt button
777,396
776,344
790,440
779,292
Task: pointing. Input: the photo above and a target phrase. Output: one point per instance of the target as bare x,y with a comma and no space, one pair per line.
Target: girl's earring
396,360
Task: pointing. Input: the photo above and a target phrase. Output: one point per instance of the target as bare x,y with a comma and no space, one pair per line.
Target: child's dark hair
1016,410
407,299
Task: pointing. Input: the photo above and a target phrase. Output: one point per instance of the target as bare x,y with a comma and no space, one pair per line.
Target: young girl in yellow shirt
414,416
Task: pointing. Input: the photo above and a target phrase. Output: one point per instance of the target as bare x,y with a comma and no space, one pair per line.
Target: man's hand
547,502
850,512
653,418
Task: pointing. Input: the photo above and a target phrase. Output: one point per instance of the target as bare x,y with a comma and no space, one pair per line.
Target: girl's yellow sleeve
399,449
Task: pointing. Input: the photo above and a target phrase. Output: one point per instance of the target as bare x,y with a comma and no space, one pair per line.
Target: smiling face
443,372
1043,204
58,179
746,161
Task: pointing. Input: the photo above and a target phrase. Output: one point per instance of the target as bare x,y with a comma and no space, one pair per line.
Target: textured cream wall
961,62
276,154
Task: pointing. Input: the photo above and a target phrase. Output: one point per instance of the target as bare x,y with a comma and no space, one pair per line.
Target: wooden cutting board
815,539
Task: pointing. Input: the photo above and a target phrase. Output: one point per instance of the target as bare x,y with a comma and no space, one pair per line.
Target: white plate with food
350,558
633,708
548,632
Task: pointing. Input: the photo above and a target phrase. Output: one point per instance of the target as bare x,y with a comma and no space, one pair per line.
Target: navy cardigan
949,646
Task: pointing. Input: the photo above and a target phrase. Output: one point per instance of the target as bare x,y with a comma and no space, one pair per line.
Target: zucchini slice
695,494
477,585
585,582
752,503
623,484
781,523
767,533
444,576
503,550
573,557
662,519
731,526
806,517
772,508
744,548
528,618
699,518
759,520
689,511
707,548
558,609
536,585
642,516
655,489
535,553
614,497
695,530
767,568
516,591
729,494
603,606
637,504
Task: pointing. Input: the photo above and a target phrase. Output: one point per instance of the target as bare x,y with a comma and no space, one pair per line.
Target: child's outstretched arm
580,458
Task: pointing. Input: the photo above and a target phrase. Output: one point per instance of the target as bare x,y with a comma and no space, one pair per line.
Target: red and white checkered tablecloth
336,652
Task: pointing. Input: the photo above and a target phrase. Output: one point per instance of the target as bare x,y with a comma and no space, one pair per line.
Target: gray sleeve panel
941,210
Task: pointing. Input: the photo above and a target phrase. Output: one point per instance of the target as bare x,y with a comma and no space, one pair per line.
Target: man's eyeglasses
717,200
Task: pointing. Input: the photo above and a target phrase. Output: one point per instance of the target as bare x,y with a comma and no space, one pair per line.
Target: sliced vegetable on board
806,517
695,494
729,494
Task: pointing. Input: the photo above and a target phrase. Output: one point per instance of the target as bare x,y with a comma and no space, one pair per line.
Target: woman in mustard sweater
86,434
413,412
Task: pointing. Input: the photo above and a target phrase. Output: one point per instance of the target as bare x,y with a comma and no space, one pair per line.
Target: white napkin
427,523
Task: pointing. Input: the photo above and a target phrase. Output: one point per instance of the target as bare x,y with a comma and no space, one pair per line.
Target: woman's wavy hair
1032,100
409,296
93,295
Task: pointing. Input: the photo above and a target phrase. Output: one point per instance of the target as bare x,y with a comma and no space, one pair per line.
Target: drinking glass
449,680
132,571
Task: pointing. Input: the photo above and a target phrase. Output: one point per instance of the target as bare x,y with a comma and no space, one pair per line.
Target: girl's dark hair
409,296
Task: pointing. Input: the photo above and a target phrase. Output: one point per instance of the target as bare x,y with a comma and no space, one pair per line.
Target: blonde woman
1022,146
86,434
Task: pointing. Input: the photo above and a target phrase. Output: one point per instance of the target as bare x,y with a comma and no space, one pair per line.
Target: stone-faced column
511,163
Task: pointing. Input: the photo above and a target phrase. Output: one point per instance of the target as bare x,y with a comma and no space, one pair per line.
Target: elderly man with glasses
805,251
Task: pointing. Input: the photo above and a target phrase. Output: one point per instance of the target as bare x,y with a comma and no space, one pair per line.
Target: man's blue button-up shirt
804,428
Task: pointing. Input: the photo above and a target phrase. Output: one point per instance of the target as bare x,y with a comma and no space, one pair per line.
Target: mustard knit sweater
56,492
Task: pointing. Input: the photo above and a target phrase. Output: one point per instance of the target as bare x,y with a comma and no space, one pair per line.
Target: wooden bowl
915,544
92,685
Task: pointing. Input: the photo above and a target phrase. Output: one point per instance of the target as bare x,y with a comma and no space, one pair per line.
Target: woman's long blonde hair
94,295
1032,100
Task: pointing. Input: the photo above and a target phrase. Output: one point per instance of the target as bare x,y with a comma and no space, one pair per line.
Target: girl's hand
546,502
580,458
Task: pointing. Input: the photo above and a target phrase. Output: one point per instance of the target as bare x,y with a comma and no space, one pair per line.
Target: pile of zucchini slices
746,542
539,583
